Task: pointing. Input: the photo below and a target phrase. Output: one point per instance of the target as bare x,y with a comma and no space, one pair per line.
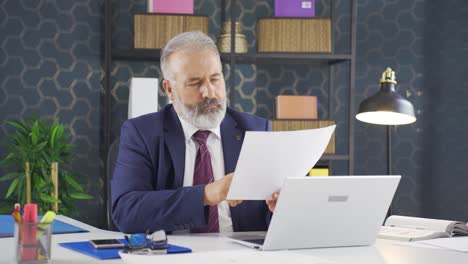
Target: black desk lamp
387,107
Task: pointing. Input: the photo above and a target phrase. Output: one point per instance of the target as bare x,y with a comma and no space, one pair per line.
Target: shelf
136,54
249,58
289,58
334,157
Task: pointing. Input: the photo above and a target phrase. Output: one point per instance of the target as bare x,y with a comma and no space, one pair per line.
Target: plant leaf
12,187
9,158
82,196
40,183
40,146
6,209
60,131
10,176
52,137
33,138
73,183
18,125
48,198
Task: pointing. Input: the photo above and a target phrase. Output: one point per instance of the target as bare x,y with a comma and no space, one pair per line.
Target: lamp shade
386,107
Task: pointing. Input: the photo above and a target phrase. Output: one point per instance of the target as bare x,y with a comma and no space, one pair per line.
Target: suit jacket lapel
175,141
231,138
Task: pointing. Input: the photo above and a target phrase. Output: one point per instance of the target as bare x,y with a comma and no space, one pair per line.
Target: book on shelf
288,125
406,228
294,8
170,6
296,107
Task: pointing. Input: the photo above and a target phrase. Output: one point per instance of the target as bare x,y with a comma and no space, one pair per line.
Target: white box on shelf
143,96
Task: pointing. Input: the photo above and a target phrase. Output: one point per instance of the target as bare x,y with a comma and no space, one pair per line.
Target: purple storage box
294,8
170,6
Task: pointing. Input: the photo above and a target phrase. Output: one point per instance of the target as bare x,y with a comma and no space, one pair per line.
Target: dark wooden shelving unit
232,58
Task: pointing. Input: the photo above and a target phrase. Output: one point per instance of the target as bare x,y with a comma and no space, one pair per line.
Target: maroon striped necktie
203,174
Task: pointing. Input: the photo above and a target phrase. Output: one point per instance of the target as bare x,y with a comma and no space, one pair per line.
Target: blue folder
58,227
86,248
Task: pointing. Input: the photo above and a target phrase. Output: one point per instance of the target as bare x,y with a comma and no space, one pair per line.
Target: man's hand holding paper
271,203
267,158
216,191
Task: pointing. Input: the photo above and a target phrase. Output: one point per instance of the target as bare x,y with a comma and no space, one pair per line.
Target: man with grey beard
175,166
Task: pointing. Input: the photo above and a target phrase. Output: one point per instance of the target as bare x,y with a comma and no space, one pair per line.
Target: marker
30,213
16,217
46,221
16,213
29,232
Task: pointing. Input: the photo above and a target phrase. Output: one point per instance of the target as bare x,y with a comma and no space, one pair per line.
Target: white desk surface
384,251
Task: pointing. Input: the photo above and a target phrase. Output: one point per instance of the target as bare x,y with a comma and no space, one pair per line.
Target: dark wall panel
445,159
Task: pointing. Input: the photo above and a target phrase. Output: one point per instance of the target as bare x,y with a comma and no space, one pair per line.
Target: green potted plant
37,152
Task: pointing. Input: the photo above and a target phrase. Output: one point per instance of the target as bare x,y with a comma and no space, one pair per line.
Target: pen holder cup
33,242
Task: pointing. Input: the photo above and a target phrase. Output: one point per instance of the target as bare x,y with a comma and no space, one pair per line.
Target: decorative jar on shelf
224,40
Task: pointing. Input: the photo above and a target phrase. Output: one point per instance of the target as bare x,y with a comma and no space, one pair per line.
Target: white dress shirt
217,162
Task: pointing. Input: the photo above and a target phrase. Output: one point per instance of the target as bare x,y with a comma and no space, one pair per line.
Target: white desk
383,252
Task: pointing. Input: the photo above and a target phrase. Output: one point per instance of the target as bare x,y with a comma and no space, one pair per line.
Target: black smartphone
106,243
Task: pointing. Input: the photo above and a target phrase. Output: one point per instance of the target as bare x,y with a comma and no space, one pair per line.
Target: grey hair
186,40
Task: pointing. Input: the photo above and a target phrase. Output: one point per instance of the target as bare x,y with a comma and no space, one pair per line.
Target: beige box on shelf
294,35
153,31
296,107
288,125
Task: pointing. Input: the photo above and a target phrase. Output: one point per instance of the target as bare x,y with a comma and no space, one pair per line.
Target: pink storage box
294,8
170,6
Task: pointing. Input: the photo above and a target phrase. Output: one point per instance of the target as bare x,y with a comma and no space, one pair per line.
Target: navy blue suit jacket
147,186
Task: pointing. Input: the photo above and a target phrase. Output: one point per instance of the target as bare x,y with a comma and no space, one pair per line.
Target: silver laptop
335,211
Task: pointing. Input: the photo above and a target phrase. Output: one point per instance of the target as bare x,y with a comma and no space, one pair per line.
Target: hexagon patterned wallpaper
390,34
51,65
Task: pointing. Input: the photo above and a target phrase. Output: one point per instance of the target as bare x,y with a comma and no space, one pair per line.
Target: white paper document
416,244
453,243
227,257
267,158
